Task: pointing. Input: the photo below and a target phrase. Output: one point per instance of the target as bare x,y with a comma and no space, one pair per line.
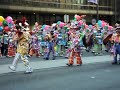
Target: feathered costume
22,37
75,51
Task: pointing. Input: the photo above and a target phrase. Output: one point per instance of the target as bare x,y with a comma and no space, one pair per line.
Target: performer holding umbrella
116,40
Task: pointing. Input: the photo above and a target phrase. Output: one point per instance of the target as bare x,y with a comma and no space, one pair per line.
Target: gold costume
23,43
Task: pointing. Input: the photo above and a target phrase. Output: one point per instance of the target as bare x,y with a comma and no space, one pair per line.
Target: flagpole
97,7
97,10
115,11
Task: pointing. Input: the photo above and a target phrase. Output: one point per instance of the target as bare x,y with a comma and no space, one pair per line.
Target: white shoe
29,70
29,56
12,68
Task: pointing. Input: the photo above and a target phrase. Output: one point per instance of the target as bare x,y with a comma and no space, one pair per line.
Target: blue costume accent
51,48
99,38
116,51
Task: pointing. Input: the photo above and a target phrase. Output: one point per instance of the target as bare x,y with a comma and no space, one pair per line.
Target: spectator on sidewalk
0,44
4,42
11,48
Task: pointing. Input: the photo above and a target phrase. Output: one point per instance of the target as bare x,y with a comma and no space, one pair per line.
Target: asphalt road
4,60
99,76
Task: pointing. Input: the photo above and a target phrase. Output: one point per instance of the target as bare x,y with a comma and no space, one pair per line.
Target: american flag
93,1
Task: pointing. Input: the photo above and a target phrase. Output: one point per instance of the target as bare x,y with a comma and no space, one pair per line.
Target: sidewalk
55,63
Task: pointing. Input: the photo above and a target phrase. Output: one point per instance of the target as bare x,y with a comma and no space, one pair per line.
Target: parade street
96,73
97,76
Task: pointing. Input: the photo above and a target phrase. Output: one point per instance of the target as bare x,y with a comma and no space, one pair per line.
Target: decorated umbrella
1,28
107,37
7,29
9,19
61,24
77,17
4,23
1,19
0,23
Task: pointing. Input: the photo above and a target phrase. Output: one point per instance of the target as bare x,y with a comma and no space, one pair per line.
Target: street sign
66,18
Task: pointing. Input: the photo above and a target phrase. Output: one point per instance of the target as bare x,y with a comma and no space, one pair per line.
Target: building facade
50,11
117,10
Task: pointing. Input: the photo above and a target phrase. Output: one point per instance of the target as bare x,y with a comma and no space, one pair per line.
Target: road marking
92,77
107,70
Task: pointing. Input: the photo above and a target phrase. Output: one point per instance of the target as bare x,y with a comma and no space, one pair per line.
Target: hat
87,30
76,42
74,27
6,35
54,24
20,24
26,24
27,29
100,28
117,28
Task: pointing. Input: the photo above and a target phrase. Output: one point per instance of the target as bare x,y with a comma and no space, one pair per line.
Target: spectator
4,42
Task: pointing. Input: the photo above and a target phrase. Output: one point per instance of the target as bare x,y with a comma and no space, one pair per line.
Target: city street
98,76
96,73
